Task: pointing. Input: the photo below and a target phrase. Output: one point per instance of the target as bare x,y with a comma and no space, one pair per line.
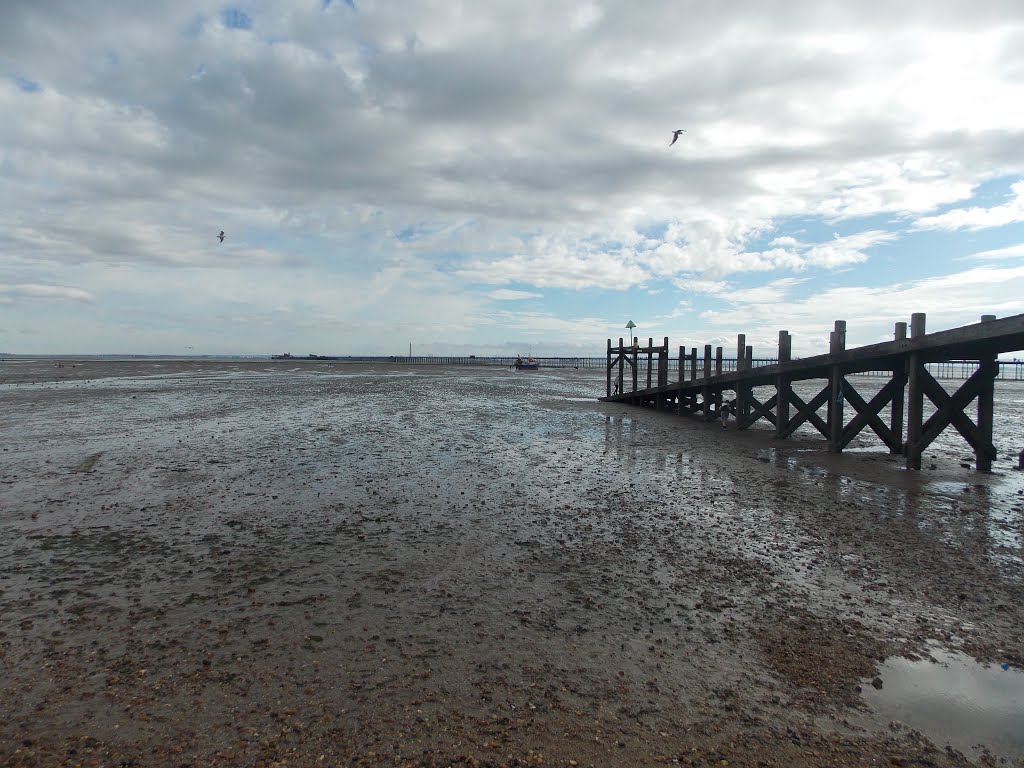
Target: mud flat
273,564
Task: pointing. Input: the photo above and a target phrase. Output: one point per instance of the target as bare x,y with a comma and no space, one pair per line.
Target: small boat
529,364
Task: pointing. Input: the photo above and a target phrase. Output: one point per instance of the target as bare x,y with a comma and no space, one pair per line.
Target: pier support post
899,374
682,379
835,405
693,364
989,369
663,364
915,396
718,390
706,390
748,363
783,387
742,408
636,361
622,364
650,359
608,389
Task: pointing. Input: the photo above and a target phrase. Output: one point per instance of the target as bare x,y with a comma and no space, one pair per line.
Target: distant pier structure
902,427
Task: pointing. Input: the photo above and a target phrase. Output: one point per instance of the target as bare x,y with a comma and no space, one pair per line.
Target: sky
497,178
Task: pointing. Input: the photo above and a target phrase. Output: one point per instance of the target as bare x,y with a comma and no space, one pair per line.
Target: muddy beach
258,563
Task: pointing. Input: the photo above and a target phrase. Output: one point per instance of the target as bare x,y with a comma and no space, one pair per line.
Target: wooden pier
903,429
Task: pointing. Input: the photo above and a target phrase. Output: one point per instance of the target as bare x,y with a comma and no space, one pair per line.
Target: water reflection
955,700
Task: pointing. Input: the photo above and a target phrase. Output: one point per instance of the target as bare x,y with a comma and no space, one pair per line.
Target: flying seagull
675,135
221,236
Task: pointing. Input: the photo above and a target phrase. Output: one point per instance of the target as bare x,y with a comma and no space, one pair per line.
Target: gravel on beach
255,563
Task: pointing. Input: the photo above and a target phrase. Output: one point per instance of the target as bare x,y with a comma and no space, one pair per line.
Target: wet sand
311,564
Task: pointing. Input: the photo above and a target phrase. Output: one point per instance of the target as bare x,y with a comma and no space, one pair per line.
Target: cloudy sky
496,177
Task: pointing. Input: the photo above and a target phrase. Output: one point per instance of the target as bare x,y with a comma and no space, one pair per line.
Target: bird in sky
675,135
221,236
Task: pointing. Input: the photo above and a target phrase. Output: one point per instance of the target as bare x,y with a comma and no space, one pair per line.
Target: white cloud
871,312
1010,252
700,286
504,294
11,293
976,218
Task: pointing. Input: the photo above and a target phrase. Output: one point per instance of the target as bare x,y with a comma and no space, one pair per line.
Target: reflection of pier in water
909,364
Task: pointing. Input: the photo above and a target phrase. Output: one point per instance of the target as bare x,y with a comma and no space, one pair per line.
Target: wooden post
663,364
682,379
915,395
717,394
783,386
706,390
899,394
986,406
650,358
986,411
835,406
636,346
622,364
693,364
608,390
742,390
742,408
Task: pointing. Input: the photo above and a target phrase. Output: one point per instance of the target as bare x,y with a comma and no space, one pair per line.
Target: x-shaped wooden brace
950,410
867,414
758,410
808,411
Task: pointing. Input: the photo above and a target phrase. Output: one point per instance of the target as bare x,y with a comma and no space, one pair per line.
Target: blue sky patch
236,19
26,85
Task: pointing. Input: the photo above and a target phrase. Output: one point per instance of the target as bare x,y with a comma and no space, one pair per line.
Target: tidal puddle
955,701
